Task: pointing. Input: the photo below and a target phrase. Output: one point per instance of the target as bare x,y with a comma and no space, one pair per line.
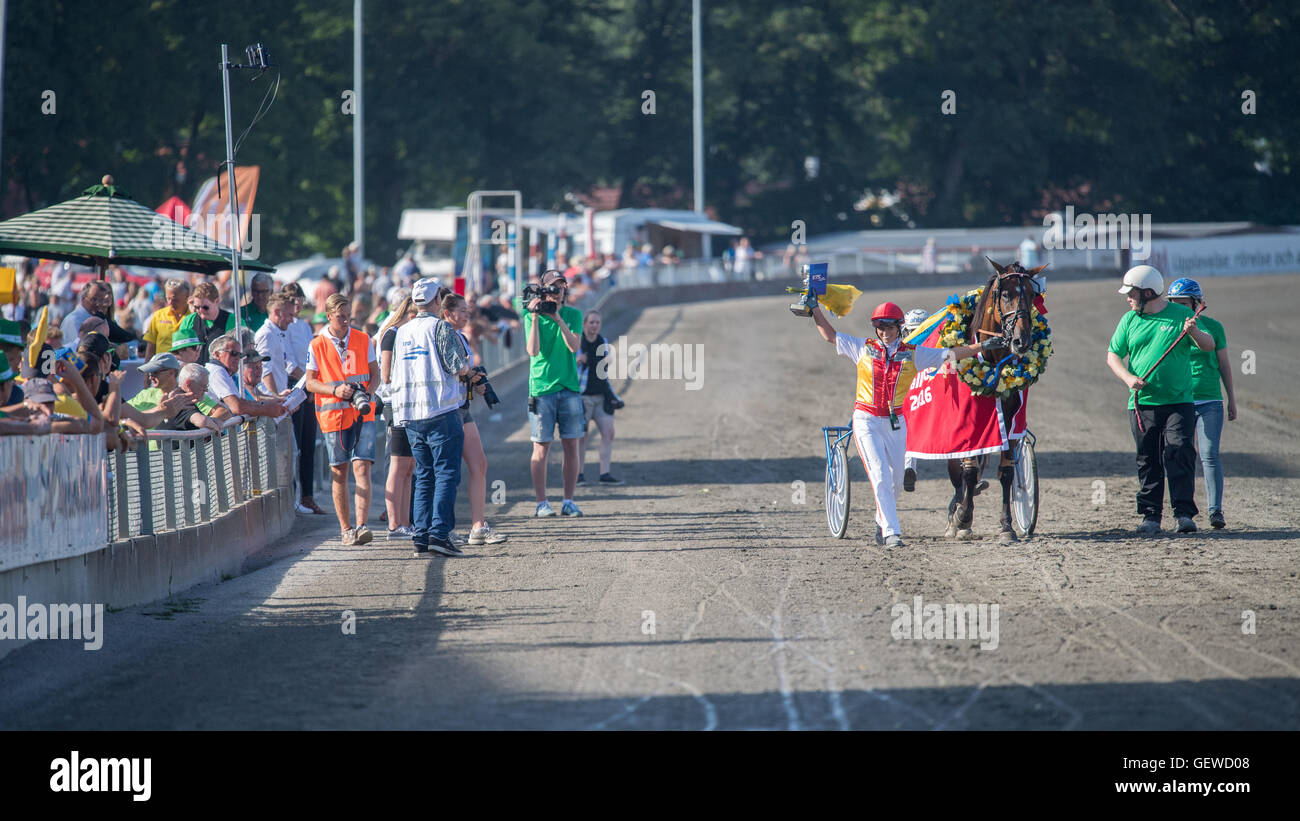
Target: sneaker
1186,525
894,541
349,536
909,480
1149,527
610,479
582,480
299,507
444,546
401,532
364,536
1216,520
544,510
310,503
457,539
570,509
486,535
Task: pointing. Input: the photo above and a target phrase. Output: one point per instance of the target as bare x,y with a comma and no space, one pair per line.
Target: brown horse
1002,311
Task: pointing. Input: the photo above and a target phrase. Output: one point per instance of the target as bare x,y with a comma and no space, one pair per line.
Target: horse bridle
1007,323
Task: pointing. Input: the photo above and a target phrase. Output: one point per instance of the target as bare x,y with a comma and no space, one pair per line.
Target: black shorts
398,444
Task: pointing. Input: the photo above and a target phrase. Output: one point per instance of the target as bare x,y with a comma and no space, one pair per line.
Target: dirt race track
760,619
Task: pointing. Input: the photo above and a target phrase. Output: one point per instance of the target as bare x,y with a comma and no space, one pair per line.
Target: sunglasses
886,323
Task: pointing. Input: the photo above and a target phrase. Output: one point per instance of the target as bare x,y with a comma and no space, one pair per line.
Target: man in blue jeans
426,393
551,331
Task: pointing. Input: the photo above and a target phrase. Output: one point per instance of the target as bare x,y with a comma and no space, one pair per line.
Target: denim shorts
355,443
563,407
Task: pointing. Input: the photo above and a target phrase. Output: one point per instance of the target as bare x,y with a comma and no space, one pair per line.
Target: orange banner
212,204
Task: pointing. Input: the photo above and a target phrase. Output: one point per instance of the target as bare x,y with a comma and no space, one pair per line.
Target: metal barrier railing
179,479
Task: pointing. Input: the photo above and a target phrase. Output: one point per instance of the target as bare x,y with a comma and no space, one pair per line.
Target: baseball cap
252,355
425,290
553,276
38,390
184,338
94,345
162,361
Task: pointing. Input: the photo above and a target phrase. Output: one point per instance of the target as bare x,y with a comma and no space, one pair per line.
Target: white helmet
1143,276
913,318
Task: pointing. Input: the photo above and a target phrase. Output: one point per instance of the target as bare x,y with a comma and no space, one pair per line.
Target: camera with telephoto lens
361,401
544,305
478,376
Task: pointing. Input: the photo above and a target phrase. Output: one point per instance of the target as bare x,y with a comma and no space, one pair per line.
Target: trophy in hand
814,285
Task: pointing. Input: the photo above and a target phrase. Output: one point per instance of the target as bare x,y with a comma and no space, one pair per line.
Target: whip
1150,370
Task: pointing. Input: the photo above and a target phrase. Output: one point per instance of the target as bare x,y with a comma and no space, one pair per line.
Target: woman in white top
401,464
457,312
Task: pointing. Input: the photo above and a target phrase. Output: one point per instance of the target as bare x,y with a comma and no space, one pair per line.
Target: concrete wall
148,568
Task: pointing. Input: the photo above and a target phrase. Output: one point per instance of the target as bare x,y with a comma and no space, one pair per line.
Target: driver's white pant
883,451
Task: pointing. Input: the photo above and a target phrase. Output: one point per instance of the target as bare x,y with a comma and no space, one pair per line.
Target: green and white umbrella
104,226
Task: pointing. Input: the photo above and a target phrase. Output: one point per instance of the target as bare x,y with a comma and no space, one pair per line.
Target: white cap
1143,276
425,290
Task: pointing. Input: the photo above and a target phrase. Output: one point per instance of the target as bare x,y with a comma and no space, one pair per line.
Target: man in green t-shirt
254,312
552,342
1162,416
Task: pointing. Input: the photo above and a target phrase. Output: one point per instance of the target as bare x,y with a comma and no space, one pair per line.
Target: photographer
342,370
426,393
456,311
551,329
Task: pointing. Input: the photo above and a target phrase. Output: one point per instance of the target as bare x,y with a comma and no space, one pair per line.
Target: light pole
358,139
698,109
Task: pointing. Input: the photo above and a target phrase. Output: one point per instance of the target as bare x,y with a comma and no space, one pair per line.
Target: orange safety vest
333,413
883,380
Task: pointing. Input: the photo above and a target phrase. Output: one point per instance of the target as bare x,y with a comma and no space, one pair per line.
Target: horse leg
1007,475
954,476
965,515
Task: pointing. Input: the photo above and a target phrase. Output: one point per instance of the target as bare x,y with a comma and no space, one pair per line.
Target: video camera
539,293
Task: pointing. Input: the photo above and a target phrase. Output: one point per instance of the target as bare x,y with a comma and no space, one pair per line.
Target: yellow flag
42,328
839,299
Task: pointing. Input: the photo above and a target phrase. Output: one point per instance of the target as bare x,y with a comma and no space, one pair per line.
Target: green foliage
1133,106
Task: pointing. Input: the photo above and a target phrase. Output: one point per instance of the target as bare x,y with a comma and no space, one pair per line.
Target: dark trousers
1165,449
304,430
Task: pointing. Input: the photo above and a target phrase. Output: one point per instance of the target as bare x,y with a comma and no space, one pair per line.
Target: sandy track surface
760,619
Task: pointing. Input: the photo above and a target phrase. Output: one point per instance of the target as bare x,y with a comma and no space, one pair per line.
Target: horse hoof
980,488
1007,537
965,535
951,531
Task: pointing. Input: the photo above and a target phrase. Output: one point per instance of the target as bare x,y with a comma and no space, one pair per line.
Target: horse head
1004,307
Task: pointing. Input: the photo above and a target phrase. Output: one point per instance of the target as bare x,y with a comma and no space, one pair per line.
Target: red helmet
887,310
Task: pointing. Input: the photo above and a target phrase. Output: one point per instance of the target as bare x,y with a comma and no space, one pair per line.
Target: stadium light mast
358,139
706,240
